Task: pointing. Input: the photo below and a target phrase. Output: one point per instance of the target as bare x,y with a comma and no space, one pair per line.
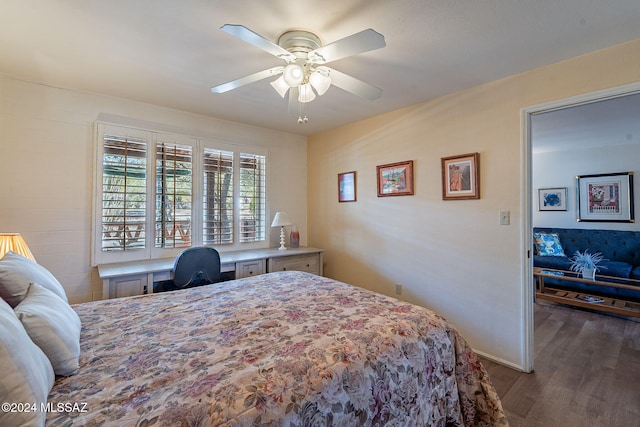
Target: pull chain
302,116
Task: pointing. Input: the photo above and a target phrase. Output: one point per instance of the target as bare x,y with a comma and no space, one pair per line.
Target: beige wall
451,256
47,166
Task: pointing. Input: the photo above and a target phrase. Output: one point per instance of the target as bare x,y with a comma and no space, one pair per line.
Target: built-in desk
137,277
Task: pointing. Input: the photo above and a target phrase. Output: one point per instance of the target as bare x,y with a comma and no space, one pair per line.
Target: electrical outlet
398,289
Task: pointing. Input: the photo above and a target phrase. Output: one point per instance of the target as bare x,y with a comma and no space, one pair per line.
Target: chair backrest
196,266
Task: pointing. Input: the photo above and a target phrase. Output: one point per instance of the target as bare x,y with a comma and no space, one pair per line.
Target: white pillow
17,272
27,375
54,326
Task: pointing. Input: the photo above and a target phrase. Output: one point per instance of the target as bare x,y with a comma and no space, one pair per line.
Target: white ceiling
609,122
170,52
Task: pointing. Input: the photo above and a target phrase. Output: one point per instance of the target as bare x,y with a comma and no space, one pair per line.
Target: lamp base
282,246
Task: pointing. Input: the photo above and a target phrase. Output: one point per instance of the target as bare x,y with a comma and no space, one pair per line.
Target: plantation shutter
158,193
124,194
217,225
252,197
174,190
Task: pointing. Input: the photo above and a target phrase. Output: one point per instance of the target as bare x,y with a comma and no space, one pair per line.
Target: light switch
505,217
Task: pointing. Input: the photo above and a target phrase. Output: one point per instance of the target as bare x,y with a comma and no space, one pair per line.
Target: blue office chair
194,267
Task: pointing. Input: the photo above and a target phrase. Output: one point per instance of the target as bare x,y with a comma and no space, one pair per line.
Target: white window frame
98,256
237,151
178,140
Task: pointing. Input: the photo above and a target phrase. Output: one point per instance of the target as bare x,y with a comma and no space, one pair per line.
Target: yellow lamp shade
15,243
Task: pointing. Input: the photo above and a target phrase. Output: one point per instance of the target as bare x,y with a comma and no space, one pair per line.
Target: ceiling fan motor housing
299,42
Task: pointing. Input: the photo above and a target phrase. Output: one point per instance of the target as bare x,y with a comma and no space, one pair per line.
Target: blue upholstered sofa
621,249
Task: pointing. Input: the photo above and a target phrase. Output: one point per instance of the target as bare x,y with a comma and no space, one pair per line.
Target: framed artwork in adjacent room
395,179
347,187
552,199
460,177
606,197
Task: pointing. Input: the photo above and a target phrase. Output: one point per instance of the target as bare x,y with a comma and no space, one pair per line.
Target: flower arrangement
586,261
551,199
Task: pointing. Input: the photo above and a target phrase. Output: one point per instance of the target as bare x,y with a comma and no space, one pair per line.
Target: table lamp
281,220
15,243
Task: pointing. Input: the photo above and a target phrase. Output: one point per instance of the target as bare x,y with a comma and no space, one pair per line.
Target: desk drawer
308,263
250,268
135,284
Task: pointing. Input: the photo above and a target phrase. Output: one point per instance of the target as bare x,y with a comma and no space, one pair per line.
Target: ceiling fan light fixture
280,86
293,75
320,81
305,93
303,74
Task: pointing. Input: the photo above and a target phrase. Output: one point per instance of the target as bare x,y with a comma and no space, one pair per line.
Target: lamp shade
320,81
293,74
15,243
280,86
305,93
281,219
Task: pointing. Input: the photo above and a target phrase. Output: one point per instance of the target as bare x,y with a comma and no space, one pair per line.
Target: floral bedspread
280,349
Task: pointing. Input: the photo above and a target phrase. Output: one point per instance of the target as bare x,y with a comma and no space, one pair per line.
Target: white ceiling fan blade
246,35
361,42
252,78
353,85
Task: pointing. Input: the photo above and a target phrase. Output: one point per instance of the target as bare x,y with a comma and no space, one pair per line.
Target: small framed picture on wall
552,199
347,187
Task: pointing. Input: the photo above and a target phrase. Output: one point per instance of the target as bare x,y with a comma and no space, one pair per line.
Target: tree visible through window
217,225
174,184
252,195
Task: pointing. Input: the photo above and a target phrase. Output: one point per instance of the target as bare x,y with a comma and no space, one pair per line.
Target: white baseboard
498,360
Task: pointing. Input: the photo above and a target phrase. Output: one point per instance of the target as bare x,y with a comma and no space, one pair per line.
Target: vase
589,273
294,237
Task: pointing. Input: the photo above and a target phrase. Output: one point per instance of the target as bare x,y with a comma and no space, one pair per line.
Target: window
252,195
160,193
174,184
217,224
124,195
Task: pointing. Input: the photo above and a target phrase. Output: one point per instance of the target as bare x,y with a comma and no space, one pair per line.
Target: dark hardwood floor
586,372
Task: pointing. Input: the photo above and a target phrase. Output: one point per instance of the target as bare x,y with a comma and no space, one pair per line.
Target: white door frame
526,203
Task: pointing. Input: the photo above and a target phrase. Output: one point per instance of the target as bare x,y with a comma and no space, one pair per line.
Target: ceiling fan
304,73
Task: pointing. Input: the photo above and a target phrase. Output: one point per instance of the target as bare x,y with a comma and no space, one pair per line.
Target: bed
280,349
287,348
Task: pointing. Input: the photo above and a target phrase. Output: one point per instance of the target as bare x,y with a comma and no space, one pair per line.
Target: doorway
538,123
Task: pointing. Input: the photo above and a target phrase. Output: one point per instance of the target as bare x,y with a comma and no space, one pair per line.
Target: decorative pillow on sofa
53,326
27,375
548,244
17,272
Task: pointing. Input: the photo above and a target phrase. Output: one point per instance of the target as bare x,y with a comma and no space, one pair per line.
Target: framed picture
605,197
347,187
395,179
460,177
552,199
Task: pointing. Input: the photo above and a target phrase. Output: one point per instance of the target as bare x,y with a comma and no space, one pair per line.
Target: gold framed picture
395,179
